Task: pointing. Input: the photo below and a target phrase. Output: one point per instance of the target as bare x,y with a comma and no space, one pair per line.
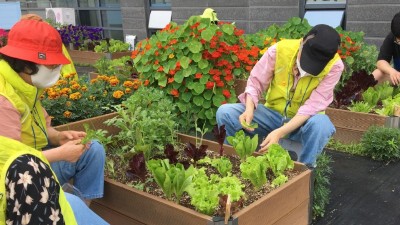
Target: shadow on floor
363,192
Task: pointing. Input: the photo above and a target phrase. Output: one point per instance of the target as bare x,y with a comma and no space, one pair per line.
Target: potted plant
71,100
196,64
82,41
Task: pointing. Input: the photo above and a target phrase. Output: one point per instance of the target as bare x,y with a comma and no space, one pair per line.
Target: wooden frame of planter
121,204
350,126
89,57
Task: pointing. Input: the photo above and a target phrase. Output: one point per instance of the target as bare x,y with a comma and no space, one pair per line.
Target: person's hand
272,138
72,150
246,118
395,77
69,135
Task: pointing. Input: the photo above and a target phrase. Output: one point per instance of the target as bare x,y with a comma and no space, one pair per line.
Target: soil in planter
152,187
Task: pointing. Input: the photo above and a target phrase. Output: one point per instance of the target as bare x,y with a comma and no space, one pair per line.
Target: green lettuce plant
361,106
244,145
112,46
254,169
278,160
222,164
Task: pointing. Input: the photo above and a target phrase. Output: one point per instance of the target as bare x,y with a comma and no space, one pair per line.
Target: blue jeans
313,135
87,172
82,213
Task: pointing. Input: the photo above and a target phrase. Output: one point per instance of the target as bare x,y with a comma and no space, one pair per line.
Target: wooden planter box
121,204
89,57
350,126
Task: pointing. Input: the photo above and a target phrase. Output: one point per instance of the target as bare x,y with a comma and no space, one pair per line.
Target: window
159,15
330,12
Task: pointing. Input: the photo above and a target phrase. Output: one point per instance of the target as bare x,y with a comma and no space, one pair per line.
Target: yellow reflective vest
10,150
280,91
25,98
68,68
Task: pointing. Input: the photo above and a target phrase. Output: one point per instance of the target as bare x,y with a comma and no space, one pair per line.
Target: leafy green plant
381,143
361,106
321,194
112,46
254,169
371,96
99,135
147,122
244,145
173,179
355,149
222,164
121,66
278,160
196,64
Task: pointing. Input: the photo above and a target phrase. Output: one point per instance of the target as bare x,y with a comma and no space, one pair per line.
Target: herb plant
381,143
99,135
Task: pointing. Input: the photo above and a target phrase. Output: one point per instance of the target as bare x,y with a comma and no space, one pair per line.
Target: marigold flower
128,83
118,94
136,84
75,86
75,96
67,114
128,90
68,103
114,82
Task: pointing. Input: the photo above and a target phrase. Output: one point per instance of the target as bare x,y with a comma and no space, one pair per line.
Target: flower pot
89,57
288,204
350,126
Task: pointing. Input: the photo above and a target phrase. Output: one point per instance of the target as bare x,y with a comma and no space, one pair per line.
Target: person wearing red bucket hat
30,62
299,76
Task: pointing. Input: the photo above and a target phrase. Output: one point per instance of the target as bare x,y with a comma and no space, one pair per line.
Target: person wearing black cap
299,76
389,50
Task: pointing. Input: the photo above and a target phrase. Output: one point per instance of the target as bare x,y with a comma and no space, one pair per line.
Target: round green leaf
162,81
210,113
203,64
179,77
194,46
198,100
208,94
196,57
184,62
199,88
186,96
207,34
204,79
228,28
206,104
182,107
218,99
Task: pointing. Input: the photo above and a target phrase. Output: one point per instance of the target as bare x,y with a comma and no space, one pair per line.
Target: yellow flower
67,114
263,51
75,96
118,94
171,56
128,91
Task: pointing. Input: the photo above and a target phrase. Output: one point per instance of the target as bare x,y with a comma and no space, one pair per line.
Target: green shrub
322,192
381,143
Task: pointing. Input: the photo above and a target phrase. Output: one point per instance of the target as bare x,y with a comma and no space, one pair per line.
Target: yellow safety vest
68,68
10,150
280,93
25,98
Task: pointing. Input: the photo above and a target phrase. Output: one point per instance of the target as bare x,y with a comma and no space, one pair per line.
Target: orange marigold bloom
128,90
118,94
84,88
136,84
75,96
75,86
128,83
114,82
68,104
67,114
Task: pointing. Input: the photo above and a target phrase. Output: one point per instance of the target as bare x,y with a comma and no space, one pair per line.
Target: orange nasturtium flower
67,114
118,94
175,93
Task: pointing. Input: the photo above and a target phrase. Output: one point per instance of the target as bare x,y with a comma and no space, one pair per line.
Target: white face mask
301,71
45,77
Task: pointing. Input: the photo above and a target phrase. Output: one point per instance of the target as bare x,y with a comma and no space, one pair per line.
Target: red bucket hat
35,41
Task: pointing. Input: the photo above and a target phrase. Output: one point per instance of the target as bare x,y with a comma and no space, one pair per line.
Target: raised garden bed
288,204
350,126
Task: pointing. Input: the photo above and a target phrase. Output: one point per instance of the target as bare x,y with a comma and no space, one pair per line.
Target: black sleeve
32,193
387,48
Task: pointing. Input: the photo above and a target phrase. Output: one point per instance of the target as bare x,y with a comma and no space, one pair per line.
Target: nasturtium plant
196,64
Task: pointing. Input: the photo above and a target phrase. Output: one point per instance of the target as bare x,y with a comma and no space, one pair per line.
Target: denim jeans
87,173
313,135
82,213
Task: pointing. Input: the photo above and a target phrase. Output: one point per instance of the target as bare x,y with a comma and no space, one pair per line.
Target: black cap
317,51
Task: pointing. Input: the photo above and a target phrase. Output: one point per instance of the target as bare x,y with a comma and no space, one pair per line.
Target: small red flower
209,85
198,75
175,93
226,93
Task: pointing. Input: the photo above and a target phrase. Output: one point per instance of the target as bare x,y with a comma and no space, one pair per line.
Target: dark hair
395,26
19,65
